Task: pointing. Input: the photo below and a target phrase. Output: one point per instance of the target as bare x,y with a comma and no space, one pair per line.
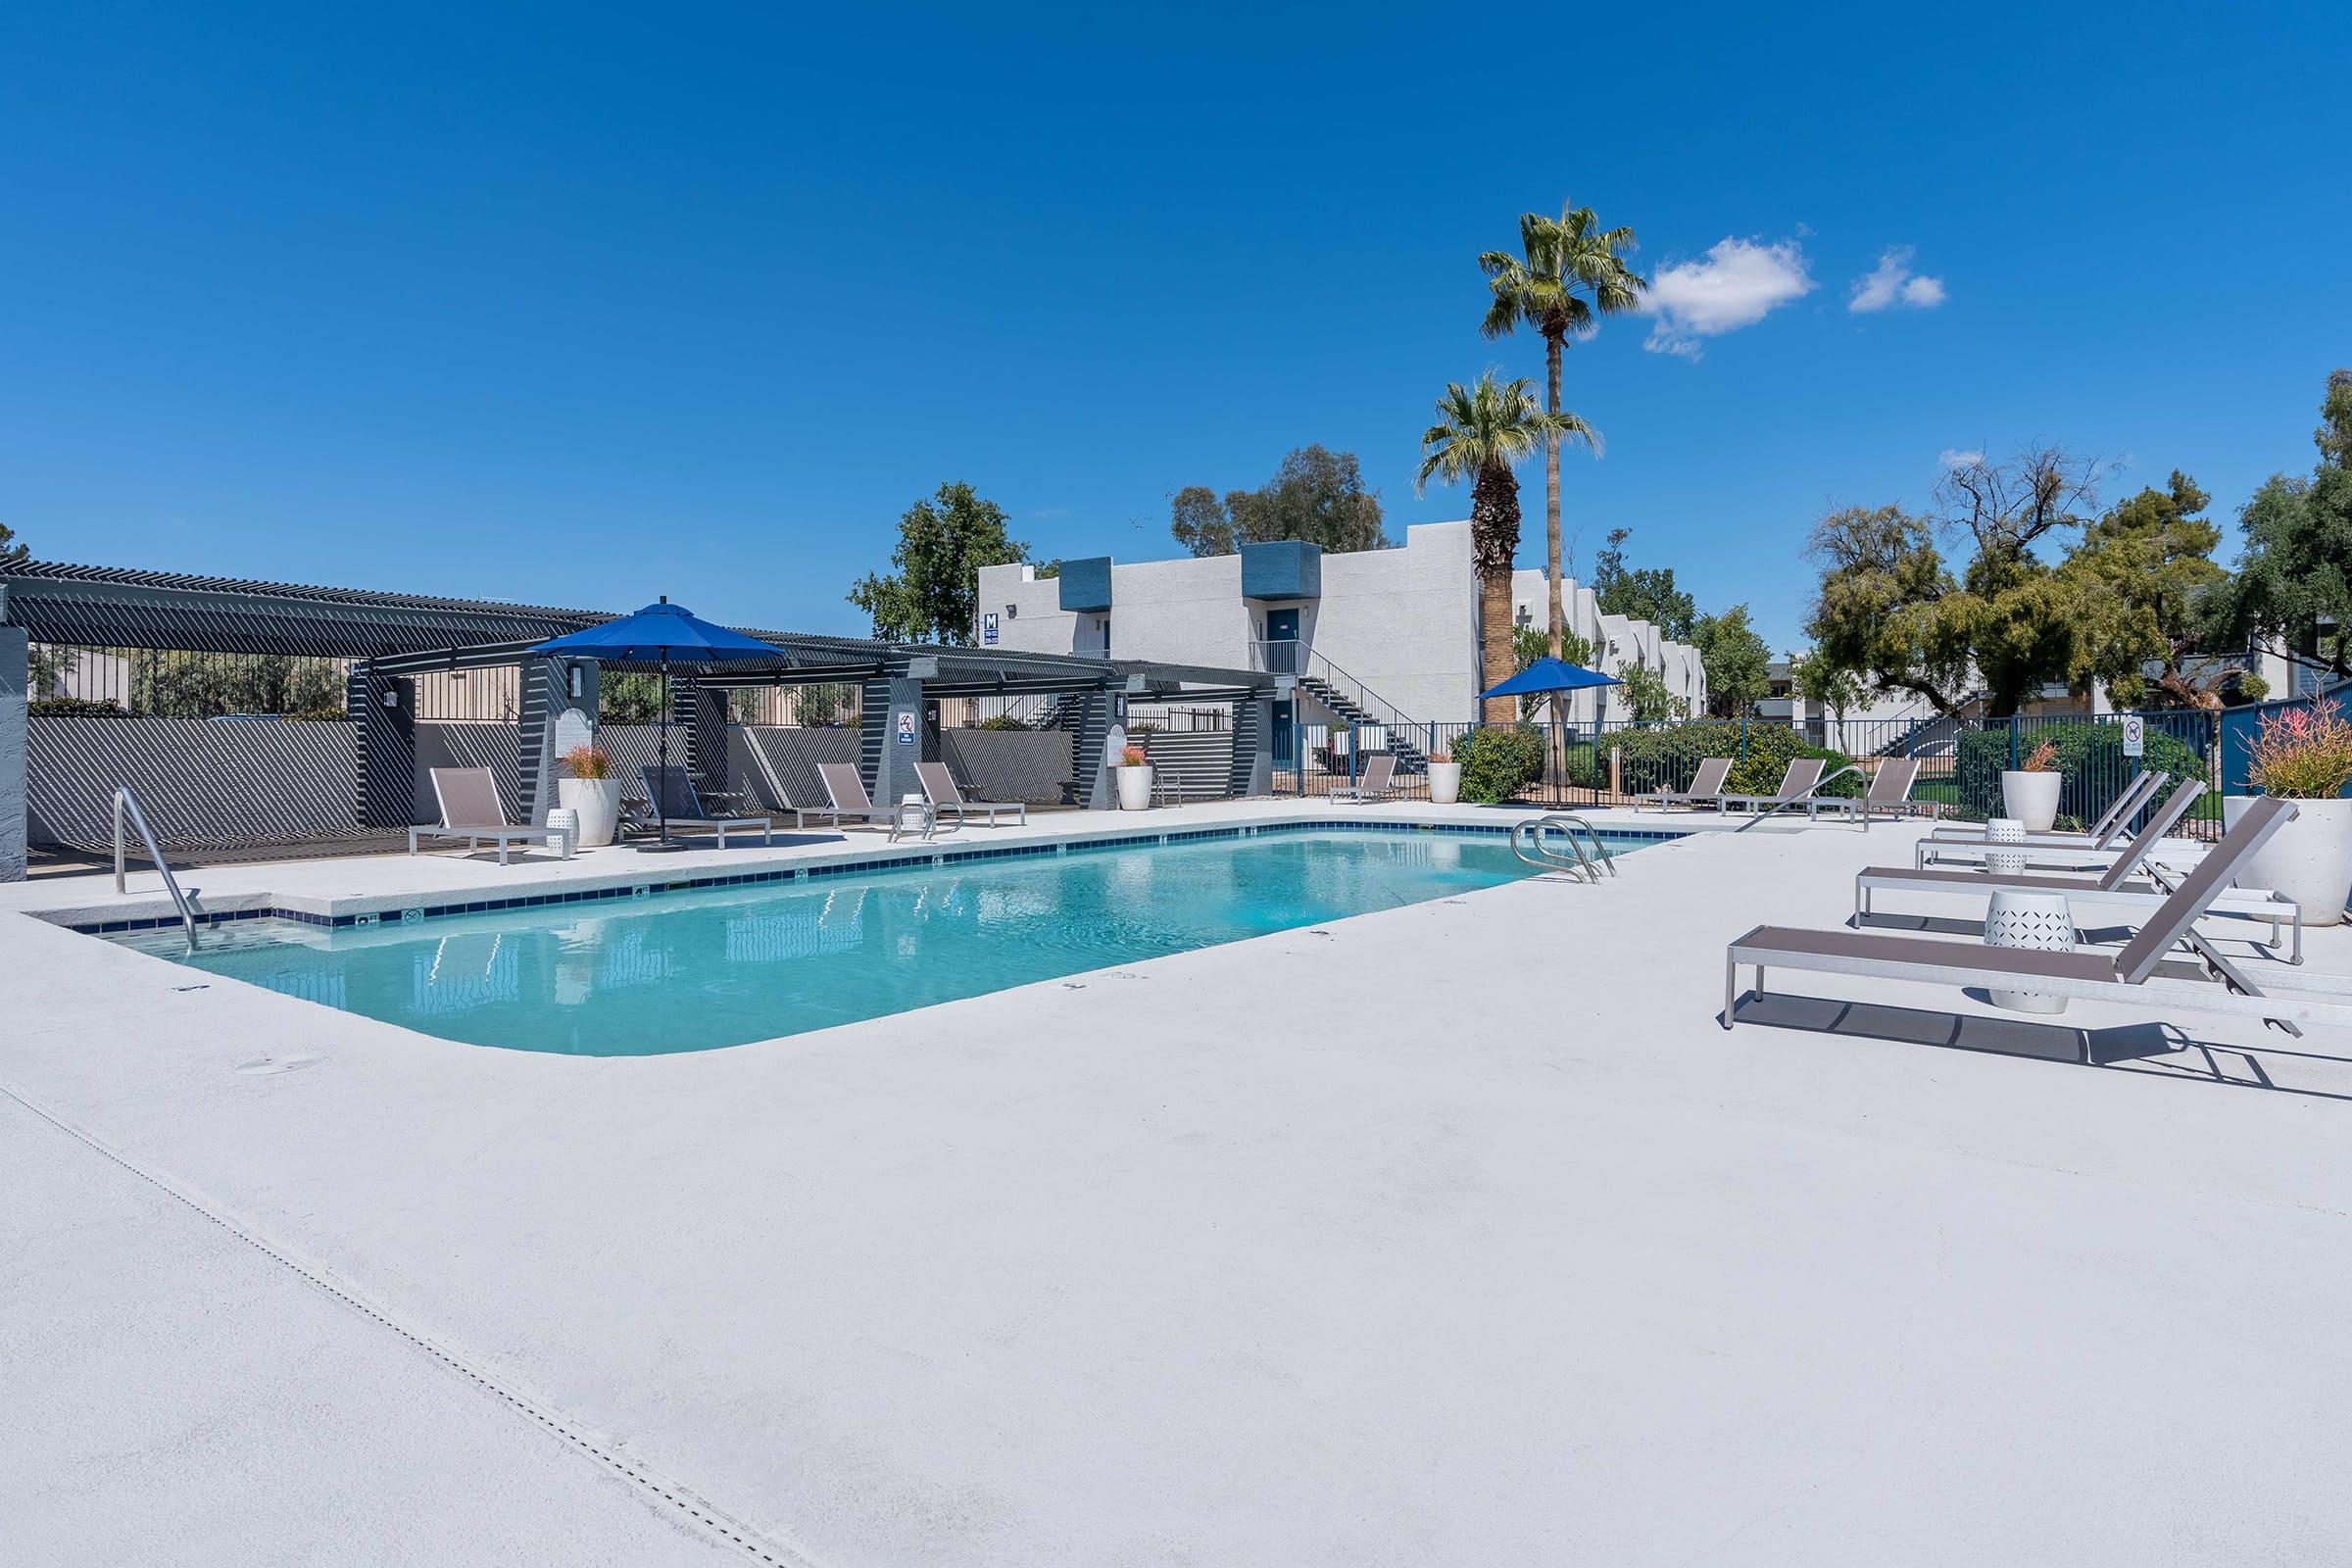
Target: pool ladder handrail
1527,842
126,804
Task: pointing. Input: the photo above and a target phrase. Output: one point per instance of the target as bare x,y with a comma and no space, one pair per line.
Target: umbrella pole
662,801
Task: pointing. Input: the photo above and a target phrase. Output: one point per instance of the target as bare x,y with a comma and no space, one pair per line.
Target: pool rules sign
2136,735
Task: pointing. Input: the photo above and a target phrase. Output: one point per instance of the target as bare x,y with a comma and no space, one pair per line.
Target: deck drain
199,986
262,1066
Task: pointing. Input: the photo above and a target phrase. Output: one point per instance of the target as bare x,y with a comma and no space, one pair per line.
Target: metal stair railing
127,805
1290,657
1528,843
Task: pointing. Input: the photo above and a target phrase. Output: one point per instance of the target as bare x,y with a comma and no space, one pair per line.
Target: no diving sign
2136,735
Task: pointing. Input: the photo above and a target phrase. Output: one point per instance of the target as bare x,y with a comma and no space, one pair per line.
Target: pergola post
546,698
383,721
893,739
1253,745
1090,752
16,692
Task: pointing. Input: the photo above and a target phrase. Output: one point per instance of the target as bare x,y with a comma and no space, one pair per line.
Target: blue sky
579,304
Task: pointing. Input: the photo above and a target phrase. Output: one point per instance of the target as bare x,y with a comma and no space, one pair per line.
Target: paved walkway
1454,1233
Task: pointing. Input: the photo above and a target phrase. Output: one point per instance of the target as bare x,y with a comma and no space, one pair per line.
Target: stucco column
15,665
386,741
902,741
1254,746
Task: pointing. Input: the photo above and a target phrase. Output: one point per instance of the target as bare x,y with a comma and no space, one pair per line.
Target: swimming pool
693,970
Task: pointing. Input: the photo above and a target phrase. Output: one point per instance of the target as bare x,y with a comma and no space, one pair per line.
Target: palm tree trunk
1493,541
1494,635
1554,762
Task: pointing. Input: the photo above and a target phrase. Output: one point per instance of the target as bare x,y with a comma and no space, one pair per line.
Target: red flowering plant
2303,754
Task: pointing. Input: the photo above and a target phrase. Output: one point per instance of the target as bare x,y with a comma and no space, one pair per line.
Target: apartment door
1282,641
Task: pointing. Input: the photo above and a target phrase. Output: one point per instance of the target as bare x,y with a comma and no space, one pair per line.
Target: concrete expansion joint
675,1498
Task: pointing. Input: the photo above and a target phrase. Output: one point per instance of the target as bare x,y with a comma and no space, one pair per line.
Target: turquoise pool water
696,970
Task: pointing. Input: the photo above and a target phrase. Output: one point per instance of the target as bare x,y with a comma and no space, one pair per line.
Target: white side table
2036,921
565,821
915,815
2005,862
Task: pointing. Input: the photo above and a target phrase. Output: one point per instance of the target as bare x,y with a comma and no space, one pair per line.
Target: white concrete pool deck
1456,1234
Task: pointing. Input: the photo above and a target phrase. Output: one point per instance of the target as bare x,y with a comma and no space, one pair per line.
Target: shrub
74,708
2303,754
1133,756
589,762
2089,754
1498,760
1005,722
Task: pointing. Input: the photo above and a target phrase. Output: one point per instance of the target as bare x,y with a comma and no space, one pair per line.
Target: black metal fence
1961,760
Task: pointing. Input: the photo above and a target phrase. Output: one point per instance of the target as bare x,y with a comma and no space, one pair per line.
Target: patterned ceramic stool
2001,863
567,821
2039,921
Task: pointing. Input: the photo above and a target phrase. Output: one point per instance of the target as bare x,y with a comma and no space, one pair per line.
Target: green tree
1877,612
2293,587
1647,696
1890,612
1646,594
1482,432
1567,275
1737,662
934,595
2146,569
1316,495
12,552
1530,643
1825,685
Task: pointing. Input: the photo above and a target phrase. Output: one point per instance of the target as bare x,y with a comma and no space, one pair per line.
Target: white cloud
1953,457
1892,282
1736,284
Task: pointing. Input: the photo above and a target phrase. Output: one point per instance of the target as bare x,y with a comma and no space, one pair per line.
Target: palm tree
1482,432
1567,277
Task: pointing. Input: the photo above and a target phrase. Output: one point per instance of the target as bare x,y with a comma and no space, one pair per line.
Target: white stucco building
1393,632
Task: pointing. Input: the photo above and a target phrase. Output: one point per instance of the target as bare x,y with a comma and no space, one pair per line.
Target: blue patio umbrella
1550,675
662,634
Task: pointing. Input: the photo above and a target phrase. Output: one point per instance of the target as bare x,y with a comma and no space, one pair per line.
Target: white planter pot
1135,787
1445,783
2309,859
598,801
2032,798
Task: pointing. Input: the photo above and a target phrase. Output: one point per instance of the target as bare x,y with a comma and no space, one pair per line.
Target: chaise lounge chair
677,804
2135,975
845,789
1798,781
1705,785
1961,839
2060,851
471,809
946,794
1372,784
2113,887
1889,794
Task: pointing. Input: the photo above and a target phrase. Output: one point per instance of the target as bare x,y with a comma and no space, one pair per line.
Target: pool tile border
916,861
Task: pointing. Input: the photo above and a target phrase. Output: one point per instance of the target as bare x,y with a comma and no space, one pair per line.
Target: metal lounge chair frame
1957,842
471,793
1798,780
2052,851
1377,778
946,794
845,789
2134,975
1890,793
1705,785
2112,887
674,786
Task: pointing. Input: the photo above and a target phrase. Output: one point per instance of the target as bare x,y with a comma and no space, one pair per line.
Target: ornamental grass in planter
2304,755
